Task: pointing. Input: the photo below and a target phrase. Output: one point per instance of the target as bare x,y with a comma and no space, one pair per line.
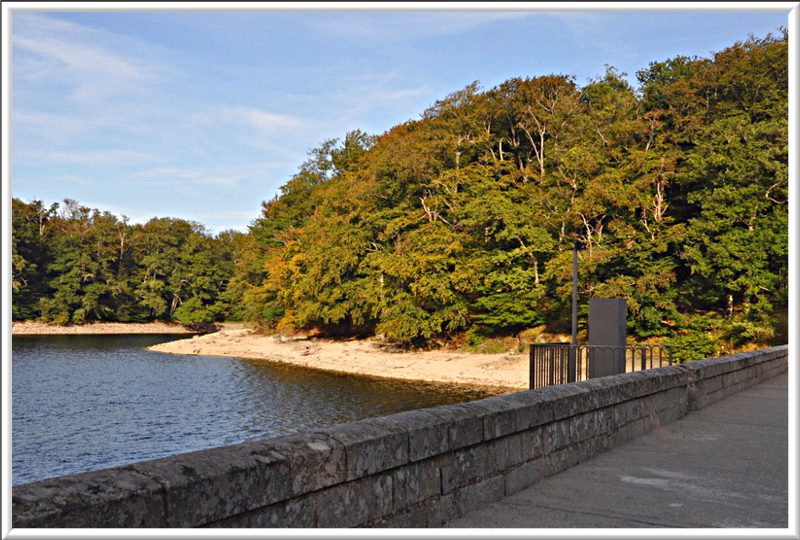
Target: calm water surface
82,403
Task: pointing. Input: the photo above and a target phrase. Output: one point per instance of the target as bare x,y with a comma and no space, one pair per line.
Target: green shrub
692,346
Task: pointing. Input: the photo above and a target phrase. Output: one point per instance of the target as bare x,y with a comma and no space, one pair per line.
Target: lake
87,402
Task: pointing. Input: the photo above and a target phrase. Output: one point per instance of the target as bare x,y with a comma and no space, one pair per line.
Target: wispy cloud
363,99
77,59
48,127
81,59
267,123
255,128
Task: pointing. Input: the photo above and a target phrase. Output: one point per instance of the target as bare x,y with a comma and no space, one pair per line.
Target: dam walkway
726,466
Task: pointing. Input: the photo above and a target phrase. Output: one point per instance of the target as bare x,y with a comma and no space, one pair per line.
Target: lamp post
575,248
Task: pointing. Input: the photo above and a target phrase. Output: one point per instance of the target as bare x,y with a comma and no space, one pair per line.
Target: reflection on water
88,402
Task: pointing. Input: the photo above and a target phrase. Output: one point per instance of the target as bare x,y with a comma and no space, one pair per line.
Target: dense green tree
31,254
207,264
81,264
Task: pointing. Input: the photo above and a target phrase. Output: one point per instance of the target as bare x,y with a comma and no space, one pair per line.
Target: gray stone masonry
420,468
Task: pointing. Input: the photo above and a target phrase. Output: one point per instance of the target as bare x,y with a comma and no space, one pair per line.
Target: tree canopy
73,264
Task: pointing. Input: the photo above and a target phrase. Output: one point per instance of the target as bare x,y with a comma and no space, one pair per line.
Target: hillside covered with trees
462,223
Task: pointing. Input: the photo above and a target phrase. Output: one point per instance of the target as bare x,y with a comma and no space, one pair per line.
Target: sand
361,357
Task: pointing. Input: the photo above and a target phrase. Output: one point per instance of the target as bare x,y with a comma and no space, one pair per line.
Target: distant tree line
73,264
462,223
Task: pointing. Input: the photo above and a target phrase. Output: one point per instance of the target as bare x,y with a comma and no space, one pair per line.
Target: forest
459,226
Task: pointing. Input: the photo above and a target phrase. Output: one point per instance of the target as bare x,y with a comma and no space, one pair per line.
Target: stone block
650,404
530,409
315,460
371,446
531,443
589,448
579,428
472,464
300,512
602,392
355,503
709,385
446,475
670,414
633,430
601,420
586,425
506,451
428,431
659,401
108,498
565,400
415,483
525,475
496,417
667,378
714,367
466,425
555,436
434,512
475,496
210,485
560,460
624,413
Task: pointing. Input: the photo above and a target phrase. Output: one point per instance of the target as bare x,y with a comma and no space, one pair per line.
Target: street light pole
575,248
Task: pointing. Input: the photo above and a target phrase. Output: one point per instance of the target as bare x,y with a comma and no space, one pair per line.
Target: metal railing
560,363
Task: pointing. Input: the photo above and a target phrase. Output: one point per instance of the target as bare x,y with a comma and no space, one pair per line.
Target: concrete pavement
723,466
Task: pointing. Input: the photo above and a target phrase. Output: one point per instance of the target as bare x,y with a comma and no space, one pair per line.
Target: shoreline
32,328
365,357
361,357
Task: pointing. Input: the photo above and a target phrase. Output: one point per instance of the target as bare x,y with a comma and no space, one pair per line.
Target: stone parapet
419,468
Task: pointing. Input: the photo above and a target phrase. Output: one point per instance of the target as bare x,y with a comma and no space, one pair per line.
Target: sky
202,115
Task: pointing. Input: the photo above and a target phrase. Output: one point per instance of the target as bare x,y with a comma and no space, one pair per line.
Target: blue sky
204,115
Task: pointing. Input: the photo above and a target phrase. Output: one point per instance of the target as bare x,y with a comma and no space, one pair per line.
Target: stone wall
414,469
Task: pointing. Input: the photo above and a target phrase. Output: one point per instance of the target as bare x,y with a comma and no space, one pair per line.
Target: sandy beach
361,357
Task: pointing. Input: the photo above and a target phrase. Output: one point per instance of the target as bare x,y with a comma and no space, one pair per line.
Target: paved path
723,466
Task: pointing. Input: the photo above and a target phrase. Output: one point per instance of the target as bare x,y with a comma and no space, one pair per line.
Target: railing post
572,363
531,367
